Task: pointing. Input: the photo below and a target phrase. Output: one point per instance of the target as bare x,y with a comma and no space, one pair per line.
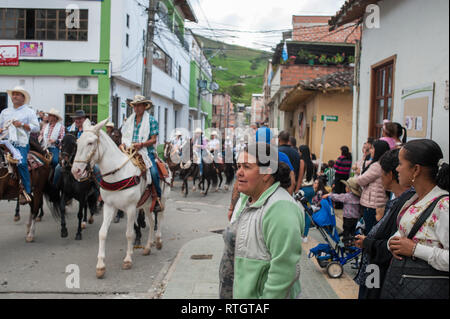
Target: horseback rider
52,134
109,128
21,120
199,144
215,148
141,131
77,126
177,142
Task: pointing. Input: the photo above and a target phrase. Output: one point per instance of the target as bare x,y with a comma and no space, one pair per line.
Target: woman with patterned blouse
421,166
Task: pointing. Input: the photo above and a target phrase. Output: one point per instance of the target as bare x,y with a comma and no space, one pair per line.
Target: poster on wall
32,49
417,107
9,55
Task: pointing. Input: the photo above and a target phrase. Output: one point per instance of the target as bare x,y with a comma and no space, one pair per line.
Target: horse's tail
53,198
215,176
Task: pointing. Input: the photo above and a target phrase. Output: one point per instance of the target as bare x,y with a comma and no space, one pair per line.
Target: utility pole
148,61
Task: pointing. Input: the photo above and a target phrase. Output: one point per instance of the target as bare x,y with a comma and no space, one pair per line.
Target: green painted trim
105,31
53,68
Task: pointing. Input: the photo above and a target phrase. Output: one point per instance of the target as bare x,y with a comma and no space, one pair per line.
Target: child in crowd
319,192
329,173
352,211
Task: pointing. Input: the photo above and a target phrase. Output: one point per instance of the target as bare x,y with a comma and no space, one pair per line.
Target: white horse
96,147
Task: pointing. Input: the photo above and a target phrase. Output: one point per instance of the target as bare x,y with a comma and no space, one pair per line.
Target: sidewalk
198,278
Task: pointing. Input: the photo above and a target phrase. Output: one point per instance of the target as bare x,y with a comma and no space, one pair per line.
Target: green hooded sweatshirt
268,246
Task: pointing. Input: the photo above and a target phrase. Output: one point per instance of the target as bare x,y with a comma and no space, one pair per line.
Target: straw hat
198,131
214,133
178,133
110,124
55,112
352,184
138,99
20,90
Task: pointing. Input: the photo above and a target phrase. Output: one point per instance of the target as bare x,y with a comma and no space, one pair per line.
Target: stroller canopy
326,219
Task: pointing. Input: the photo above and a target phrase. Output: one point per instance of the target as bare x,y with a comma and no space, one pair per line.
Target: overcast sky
255,15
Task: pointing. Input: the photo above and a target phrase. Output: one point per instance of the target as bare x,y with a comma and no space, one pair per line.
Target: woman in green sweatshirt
265,232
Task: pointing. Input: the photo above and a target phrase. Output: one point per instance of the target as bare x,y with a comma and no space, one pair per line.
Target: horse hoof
159,245
83,225
78,237
91,220
29,239
64,233
16,218
127,265
146,252
100,273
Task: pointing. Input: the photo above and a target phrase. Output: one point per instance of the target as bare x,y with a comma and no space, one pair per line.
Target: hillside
238,70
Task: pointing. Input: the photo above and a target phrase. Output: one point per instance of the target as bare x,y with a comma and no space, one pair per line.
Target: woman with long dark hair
374,245
373,195
343,167
305,181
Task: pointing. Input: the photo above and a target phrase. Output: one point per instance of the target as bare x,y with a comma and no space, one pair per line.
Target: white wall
40,87
417,32
64,50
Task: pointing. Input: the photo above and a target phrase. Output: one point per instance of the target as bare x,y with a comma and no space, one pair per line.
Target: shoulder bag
414,278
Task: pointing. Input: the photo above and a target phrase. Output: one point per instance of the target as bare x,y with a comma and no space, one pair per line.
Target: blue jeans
369,216
309,194
23,167
55,152
155,174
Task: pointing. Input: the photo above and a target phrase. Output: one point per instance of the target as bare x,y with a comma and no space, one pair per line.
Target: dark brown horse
40,185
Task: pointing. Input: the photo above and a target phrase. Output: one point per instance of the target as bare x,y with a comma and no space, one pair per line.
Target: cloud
255,15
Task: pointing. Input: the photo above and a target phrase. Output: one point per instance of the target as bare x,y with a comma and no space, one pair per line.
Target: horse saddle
36,160
136,159
162,169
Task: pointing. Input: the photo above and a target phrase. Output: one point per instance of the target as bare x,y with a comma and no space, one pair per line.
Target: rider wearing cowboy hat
141,131
77,126
52,134
199,144
21,121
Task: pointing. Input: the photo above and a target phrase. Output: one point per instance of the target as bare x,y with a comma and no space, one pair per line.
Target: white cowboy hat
55,112
178,133
214,133
198,131
20,90
110,124
138,99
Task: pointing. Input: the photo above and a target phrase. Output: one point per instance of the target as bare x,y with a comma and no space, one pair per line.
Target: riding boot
24,197
158,207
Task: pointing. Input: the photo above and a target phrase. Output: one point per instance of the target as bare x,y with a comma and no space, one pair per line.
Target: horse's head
167,149
68,150
88,153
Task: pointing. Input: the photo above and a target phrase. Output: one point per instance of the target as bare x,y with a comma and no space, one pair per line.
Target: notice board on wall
417,107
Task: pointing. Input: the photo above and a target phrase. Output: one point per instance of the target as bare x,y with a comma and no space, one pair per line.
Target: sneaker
305,240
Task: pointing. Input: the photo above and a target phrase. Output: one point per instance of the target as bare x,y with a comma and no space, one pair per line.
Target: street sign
330,118
99,72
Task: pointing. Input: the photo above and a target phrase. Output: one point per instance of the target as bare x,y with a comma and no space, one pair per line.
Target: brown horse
40,184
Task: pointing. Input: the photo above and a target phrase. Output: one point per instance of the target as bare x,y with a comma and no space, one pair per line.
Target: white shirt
25,115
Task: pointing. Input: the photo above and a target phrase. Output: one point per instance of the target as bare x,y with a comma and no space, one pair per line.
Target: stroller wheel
335,270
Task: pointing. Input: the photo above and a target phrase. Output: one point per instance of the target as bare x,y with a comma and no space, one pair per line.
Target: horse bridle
91,155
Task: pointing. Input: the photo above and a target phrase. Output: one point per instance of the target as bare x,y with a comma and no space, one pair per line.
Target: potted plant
292,59
303,55
323,59
311,59
351,60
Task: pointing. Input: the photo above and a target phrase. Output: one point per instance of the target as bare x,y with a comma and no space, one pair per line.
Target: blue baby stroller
332,255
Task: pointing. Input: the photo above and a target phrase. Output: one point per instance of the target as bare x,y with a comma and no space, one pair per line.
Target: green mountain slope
238,70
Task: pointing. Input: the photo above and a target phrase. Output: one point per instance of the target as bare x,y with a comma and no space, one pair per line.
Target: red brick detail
291,75
316,29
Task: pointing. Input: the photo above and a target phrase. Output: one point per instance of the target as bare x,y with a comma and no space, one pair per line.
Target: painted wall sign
9,55
31,49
